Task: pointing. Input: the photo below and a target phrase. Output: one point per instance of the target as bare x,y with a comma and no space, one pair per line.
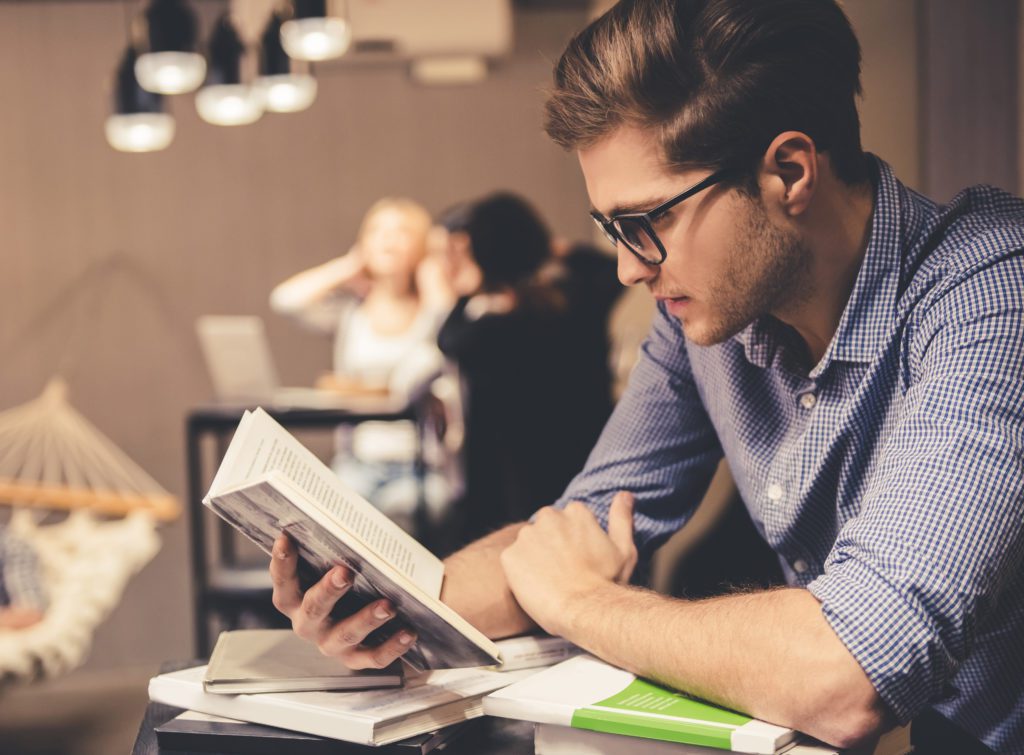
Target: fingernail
338,579
404,638
381,612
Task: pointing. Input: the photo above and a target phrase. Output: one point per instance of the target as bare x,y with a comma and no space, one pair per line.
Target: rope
53,457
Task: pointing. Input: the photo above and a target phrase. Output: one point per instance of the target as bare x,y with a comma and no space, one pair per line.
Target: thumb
620,522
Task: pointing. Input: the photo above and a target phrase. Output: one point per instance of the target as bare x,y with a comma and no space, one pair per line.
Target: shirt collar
869,312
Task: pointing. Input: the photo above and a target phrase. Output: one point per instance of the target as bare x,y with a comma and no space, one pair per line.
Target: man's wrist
581,604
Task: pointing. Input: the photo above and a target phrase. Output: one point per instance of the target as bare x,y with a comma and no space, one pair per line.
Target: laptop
242,369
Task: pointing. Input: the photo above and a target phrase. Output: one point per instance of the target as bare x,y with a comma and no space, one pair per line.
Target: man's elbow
859,721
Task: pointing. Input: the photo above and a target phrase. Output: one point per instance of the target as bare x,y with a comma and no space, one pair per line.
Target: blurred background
108,257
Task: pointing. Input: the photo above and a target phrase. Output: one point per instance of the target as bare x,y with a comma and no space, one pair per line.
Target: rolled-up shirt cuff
890,635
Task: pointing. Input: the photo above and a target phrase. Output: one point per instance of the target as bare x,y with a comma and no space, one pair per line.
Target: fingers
309,612
345,639
383,655
620,521
284,563
620,531
312,618
350,632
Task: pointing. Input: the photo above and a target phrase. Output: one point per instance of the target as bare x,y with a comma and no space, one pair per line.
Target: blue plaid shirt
890,478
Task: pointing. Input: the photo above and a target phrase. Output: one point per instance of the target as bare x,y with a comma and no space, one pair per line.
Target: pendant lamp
171,65
224,100
313,35
138,123
282,90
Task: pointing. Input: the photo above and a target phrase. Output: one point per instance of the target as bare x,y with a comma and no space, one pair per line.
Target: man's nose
632,270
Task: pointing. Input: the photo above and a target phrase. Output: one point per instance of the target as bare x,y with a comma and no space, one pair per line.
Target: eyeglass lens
637,237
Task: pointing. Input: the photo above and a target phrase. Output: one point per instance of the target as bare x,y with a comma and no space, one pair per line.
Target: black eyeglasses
635,230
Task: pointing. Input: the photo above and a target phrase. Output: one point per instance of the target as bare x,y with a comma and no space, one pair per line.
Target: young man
853,350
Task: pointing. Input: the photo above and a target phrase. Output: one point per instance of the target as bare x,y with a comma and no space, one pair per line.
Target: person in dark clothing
529,336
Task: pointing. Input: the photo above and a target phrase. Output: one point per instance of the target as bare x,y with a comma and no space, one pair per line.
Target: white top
403,362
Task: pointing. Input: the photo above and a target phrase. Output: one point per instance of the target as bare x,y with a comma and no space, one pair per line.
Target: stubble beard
767,270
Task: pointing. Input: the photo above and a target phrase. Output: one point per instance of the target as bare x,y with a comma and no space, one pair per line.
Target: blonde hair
408,207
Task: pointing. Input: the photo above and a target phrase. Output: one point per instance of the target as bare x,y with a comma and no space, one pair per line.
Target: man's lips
674,304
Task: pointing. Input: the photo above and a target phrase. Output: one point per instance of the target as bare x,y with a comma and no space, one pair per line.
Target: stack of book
274,679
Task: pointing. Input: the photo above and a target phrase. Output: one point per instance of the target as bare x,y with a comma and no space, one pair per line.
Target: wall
889,78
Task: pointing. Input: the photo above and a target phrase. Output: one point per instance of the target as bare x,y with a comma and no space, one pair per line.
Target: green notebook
586,693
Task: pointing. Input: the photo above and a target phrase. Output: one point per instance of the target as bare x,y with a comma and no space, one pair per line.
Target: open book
268,482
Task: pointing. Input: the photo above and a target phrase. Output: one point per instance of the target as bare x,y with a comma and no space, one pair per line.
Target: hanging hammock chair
56,465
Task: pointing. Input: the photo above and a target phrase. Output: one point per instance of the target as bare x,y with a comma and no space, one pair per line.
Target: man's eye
661,217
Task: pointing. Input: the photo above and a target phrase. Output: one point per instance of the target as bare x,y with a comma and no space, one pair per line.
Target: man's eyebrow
632,207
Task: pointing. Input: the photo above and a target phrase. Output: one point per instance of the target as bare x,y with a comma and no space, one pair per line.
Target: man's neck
837,232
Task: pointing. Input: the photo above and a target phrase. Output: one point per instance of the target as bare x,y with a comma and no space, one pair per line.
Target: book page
261,445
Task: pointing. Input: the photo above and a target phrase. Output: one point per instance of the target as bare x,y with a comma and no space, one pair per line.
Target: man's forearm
769,654
475,586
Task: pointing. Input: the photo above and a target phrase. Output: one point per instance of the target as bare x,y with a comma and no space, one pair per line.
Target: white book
270,483
428,701
278,660
587,693
550,739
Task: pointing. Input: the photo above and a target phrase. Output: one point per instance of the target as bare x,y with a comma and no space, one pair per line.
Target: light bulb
139,132
316,38
287,92
170,72
229,104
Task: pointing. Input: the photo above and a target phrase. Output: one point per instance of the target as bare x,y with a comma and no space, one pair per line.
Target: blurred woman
529,336
384,301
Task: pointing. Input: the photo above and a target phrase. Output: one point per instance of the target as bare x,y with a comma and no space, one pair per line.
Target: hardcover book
278,660
270,483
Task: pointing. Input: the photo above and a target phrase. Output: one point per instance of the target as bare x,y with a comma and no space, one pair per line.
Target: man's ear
790,172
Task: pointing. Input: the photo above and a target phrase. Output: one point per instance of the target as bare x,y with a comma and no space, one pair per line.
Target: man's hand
564,555
310,613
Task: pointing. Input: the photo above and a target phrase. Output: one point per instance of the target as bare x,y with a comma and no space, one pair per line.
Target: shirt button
774,492
799,566
808,400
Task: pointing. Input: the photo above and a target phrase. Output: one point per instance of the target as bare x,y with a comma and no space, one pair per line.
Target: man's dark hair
717,80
